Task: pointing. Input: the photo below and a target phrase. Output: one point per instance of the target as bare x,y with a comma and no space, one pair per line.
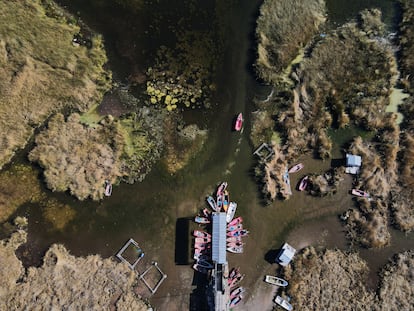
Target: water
157,212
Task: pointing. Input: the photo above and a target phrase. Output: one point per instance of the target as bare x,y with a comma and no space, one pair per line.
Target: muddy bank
334,280
65,281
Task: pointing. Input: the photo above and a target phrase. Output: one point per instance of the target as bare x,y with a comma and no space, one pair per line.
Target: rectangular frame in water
122,250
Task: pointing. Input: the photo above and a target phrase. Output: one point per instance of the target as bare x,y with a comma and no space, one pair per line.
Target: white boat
231,211
234,239
275,281
212,203
235,249
283,303
108,188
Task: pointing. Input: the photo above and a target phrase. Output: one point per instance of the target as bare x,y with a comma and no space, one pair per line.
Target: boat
235,249
202,246
239,122
201,220
236,233
205,264
236,221
360,193
234,228
108,188
234,272
231,211
225,200
219,203
200,269
206,212
233,282
275,281
212,203
203,240
235,244
200,253
235,301
234,239
283,303
201,234
295,168
221,188
236,292
303,183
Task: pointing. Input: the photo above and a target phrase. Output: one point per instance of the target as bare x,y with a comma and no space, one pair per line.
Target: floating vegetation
19,185
182,76
43,69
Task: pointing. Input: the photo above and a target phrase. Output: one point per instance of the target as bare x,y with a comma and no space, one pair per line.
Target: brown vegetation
330,92
325,184
65,282
42,70
282,28
406,41
334,280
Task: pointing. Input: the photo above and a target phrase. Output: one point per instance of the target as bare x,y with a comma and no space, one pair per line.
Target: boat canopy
218,238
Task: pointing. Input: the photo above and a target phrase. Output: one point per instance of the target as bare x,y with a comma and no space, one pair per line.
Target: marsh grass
283,27
42,71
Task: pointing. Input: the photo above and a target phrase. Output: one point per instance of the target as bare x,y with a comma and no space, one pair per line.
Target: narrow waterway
157,212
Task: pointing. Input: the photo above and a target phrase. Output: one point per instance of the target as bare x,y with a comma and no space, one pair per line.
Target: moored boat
201,234
236,221
234,239
275,281
203,240
205,264
219,204
239,122
236,280
221,188
295,168
283,303
235,249
212,203
231,211
234,228
201,220
235,301
108,188
234,272
303,183
242,232
225,200
206,212
236,292
200,269
202,246
360,193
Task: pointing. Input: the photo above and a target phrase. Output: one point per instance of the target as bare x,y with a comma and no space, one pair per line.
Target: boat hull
239,122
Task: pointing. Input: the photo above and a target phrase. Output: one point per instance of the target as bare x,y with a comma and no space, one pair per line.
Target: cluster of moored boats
236,292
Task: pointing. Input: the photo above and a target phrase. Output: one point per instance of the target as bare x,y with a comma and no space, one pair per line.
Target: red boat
221,188
360,193
303,183
236,221
241,232
239,122
296,168
235,301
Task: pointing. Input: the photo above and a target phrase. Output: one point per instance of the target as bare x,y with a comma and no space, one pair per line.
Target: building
285,255
353,163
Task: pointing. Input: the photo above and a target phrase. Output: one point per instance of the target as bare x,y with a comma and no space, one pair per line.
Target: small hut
285,255
353,163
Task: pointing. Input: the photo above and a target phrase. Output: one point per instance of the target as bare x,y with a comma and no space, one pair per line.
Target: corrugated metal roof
219,238
353,160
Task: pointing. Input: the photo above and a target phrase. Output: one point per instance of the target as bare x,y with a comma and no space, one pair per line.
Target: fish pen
157,284
132,251
264,152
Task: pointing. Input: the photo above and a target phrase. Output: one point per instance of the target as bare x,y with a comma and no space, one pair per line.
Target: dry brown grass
41,71
65,282
334,280
407,44
283,27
